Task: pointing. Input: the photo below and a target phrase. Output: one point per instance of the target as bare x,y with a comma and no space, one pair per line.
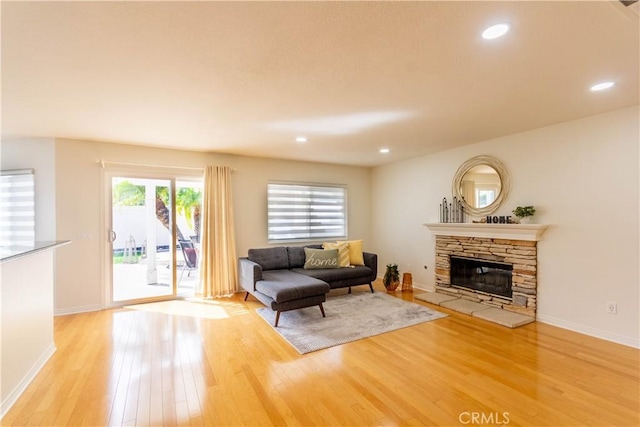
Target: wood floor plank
220,364
262,396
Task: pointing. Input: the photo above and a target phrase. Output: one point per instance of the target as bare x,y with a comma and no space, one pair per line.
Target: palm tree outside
188,204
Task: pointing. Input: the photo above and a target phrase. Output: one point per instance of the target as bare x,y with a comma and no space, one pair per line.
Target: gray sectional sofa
277,278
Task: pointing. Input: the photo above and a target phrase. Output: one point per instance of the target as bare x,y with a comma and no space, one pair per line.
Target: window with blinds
306,212
17,208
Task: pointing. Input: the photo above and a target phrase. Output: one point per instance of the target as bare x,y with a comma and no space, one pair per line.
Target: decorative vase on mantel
525,220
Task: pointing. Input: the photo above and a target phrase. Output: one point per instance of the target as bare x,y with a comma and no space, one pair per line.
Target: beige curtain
219,270
468,191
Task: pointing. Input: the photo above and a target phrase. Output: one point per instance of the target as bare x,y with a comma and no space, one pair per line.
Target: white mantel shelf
531,232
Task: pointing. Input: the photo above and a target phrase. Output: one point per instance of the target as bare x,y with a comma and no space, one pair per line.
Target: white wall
582,177
37,154
80,205
250,185
131,221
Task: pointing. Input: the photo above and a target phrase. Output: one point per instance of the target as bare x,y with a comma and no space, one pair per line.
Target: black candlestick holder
452,211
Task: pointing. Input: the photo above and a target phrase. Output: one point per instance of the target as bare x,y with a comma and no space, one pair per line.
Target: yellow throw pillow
356,256
343,252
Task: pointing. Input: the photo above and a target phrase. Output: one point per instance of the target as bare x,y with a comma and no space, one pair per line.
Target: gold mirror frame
505,184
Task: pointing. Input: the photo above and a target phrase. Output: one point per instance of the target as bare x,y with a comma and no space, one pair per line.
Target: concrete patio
130,280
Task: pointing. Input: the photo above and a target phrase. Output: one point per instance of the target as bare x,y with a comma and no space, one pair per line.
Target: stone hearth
492,314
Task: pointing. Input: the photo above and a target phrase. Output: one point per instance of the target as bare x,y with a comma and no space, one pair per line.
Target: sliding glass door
188,208
141,238
154,235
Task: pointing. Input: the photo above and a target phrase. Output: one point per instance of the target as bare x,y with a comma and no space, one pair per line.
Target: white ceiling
353,77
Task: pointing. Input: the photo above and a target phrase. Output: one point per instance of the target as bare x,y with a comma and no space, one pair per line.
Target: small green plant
524,211
391,278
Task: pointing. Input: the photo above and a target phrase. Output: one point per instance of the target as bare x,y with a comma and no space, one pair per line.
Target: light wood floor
184,363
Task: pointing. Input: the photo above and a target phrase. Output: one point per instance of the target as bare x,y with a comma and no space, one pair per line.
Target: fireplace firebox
482,275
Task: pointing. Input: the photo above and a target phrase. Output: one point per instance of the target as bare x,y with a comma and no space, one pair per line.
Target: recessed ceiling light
495,31
301,139
602,86
384,150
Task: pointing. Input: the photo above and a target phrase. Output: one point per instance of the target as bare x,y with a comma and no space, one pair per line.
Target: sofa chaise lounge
276,277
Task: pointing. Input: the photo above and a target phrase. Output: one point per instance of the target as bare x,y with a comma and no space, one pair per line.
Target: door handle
112,236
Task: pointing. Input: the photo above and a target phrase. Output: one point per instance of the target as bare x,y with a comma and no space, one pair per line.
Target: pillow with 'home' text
320,258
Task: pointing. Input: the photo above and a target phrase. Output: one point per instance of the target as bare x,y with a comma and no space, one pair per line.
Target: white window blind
306,212
17,208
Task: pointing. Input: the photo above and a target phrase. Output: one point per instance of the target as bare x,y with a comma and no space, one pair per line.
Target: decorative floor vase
392,286
407,282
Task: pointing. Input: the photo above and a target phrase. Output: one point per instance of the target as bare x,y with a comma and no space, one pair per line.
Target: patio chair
190,257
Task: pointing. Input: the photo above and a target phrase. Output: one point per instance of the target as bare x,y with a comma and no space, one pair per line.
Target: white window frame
311,219
486,187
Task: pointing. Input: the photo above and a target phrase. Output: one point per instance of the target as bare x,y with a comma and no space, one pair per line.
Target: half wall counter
26,328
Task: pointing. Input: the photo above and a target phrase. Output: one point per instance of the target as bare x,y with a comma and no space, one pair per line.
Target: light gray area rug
349,318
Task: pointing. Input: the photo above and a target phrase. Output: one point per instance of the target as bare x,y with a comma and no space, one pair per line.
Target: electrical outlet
612,307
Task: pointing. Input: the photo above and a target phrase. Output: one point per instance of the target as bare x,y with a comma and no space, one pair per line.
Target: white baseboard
422,287
12,398
587,330
76,310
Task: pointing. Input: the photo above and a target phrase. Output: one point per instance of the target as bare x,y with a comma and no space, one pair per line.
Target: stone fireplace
492,264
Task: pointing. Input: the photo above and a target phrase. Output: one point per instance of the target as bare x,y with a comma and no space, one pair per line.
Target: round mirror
481,184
